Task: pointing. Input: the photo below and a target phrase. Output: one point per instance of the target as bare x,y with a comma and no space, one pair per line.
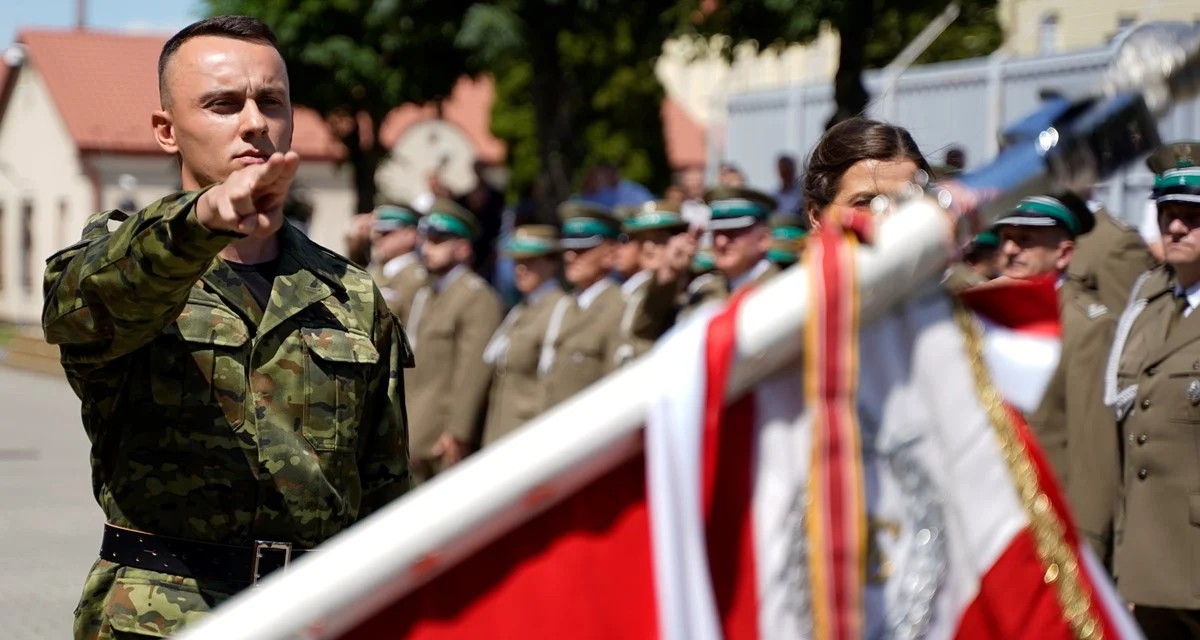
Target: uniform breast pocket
200,361
337,369
1182,396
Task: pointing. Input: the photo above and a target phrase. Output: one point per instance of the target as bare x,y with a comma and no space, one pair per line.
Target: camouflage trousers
124,602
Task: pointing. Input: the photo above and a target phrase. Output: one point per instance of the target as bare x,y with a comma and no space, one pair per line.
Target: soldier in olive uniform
627,261
649,229
400,273
741,240
584,331
518,346
1156,395
1109,259
1078,436
242,387
452,319
788,231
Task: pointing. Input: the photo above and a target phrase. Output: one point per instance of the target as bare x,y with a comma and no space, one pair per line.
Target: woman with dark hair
857,160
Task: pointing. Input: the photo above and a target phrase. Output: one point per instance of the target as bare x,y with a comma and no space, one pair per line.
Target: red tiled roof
105,86
469,107
684,137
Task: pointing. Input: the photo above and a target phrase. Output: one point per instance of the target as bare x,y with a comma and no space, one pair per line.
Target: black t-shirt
258,278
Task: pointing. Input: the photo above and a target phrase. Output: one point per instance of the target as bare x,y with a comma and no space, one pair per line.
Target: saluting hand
250,201
680,251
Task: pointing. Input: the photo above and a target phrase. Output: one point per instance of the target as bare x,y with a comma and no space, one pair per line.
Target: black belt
194,559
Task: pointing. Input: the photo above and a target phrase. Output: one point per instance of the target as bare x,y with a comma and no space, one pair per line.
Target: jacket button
1142,473
1145,404
1141,439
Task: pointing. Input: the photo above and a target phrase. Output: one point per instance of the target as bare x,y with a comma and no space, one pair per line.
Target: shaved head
235,27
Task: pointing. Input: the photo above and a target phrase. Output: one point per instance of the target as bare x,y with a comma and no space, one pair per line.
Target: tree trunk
364,162
554,126
849,92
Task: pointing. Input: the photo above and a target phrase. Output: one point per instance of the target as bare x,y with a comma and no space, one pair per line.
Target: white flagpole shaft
414,539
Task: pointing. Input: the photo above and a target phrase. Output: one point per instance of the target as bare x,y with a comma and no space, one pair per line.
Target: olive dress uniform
732,208
518,392
1156,395
451,322
1109,259
585,326
400,278
640,329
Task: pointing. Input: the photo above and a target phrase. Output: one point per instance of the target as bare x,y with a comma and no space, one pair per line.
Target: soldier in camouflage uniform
242,387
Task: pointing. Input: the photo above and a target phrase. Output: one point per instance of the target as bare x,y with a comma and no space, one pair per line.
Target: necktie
1181,305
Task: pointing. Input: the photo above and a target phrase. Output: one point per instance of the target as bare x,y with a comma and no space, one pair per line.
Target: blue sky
133,15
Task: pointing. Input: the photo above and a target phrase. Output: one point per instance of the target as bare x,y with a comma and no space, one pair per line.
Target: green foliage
575,86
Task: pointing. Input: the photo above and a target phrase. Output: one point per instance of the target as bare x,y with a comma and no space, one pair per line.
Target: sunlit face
441,252
865,180
626,259
226,106
736,251
585,267
1030,252
1180,226
531,273
396,243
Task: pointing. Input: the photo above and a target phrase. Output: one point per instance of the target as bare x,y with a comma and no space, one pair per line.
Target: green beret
1176,155
652,216
389,217
447,216
1045,211
532,241
737,207
1178,185
587,224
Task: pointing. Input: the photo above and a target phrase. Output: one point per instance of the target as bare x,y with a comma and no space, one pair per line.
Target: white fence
965,104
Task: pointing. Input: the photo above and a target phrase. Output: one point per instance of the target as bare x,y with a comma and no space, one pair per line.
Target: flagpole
412,541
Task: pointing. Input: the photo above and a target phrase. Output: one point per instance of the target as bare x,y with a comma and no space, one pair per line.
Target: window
27,246
1048,34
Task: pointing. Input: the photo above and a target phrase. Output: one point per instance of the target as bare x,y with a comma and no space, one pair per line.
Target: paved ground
49,524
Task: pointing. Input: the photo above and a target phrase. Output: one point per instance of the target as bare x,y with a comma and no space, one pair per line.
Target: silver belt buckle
264,545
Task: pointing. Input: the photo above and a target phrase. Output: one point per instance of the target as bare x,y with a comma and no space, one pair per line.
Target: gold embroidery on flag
1058,560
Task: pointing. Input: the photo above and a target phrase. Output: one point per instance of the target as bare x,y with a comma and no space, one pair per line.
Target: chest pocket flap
336,371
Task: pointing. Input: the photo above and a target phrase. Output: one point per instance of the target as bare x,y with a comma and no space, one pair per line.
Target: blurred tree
356,60
575,87
872,32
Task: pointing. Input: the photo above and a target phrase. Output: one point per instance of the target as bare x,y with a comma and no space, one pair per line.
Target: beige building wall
1040,27
701,80
44,190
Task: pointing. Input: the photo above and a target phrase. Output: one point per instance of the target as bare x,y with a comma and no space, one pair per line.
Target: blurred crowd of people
509,317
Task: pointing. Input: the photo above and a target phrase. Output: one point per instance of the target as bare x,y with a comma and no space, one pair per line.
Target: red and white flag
885,486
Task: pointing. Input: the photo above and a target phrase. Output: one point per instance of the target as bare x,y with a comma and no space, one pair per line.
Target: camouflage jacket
213,419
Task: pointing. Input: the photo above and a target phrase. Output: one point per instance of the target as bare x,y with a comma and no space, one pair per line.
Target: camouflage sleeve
471,377
383,459
110,294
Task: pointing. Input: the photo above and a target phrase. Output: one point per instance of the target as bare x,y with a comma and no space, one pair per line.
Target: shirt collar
540,292
589,295
1192,293
635,281
445,281
749,276
397,264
